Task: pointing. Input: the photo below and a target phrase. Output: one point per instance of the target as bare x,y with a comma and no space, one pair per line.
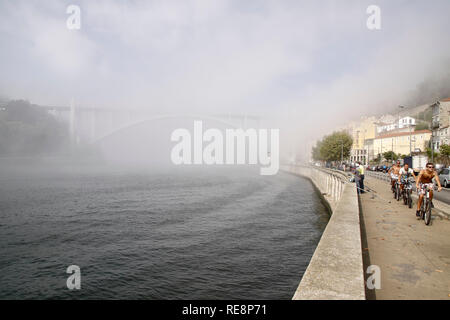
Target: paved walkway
414,258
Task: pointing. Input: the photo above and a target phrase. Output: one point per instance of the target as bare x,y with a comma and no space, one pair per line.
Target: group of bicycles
403,191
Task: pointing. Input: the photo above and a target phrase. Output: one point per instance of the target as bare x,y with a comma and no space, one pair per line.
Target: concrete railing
330,183
336,268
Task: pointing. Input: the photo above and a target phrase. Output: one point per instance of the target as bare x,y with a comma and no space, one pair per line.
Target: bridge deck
414,258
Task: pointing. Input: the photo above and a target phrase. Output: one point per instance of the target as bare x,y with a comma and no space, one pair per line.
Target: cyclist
424,181
394,171
404,175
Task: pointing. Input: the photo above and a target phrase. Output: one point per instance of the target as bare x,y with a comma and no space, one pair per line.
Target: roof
445,100
400,134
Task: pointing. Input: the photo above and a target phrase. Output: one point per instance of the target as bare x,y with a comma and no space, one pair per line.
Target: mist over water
308,67
86,117
224,233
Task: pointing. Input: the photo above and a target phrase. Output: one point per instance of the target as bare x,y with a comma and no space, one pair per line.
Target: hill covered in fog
26,130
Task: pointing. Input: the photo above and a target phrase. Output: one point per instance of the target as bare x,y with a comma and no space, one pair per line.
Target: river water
226,233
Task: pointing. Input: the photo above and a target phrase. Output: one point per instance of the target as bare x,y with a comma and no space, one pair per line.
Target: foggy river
226,233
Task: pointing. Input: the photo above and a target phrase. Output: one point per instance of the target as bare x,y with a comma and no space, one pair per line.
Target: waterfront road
444,195
414,259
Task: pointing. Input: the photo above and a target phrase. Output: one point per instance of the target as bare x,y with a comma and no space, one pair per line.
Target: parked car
444,177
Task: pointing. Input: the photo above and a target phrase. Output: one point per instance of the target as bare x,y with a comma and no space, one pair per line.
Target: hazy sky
313,62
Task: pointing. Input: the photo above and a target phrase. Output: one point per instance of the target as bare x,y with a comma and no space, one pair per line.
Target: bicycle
393,187
425,207
397,192
406,193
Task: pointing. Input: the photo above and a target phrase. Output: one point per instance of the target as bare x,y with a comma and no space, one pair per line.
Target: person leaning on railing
359,173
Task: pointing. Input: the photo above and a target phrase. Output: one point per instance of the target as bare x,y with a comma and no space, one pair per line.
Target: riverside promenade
414,259
374,230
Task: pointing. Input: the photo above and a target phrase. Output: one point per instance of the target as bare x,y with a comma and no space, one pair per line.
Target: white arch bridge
92,125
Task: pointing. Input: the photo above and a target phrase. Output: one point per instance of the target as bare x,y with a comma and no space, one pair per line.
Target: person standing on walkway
360,174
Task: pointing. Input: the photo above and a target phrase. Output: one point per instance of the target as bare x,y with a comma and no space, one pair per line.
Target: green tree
316,151
429,155
335,146
422,126
426,115
27,130
444,149
390,155
376,160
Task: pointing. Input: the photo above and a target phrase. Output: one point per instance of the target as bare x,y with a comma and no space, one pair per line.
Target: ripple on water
219,235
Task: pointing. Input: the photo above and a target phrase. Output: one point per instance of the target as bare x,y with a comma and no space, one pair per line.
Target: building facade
403,124
363,130
406,122
358,155
368,146
402,143
440,123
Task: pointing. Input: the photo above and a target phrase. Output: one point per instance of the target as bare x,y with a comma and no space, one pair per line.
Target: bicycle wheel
398,193
405,197
422,209
427,217
409,199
